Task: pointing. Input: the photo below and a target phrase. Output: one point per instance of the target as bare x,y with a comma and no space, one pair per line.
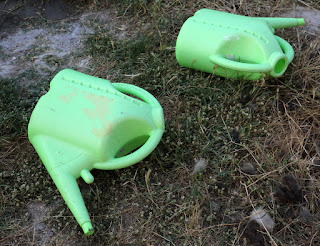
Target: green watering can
86,123
234,46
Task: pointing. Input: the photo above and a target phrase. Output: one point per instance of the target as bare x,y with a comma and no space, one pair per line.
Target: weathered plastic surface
86,123
234,46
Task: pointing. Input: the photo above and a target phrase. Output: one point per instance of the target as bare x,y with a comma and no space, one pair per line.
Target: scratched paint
107,128
68,98
101,111
231,37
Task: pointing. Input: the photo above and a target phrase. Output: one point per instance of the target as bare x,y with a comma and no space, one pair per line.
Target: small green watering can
86,123
234,46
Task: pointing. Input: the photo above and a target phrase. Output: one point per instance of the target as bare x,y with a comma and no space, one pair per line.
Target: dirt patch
239,127
37,214
311,16
15,11
45,48
49,46
41,48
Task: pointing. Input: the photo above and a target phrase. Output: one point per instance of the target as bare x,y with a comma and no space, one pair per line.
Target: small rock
248,168
305,215
200,165
290,190
262,218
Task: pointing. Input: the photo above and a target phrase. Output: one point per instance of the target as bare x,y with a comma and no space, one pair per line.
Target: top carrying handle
138,92
154,137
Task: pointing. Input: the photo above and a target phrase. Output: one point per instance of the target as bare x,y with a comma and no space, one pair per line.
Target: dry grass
272,124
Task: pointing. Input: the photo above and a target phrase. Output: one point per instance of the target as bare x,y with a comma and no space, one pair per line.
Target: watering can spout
277,23
70,192
65,163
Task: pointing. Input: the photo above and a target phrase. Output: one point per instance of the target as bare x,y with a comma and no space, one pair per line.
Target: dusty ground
44,47
43,39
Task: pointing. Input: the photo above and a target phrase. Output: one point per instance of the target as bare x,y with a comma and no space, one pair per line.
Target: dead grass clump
307,73
246,136
294,133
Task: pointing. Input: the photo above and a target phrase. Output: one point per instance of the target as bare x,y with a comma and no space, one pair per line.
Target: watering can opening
131,146
279,63
280,66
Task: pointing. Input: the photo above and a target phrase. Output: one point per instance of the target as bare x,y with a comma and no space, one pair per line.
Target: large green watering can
86,123
234,46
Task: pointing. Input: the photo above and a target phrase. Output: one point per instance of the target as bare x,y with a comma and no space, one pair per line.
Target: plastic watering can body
86,123
234,46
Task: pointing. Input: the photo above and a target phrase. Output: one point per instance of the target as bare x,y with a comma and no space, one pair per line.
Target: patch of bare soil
41,48
46,46
37,214
311,16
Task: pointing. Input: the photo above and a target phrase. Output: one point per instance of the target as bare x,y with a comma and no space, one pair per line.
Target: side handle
239,66
286,47
154,137
136,156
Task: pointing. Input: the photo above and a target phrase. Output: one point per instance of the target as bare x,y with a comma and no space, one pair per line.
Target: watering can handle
286,47
246,67
138,92
153,139
239,66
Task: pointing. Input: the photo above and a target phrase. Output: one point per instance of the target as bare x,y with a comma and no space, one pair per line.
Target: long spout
65,163
69,190
277,22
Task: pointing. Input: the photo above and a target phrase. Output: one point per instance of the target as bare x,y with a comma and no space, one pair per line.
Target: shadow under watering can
234,46
86,123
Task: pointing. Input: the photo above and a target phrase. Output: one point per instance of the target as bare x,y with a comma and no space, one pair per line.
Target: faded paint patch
231,37
230,57
102,106
68,98
101,111
107,127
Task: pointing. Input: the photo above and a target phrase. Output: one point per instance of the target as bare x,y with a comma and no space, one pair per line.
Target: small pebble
263,218
248,168
199,166
305,215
